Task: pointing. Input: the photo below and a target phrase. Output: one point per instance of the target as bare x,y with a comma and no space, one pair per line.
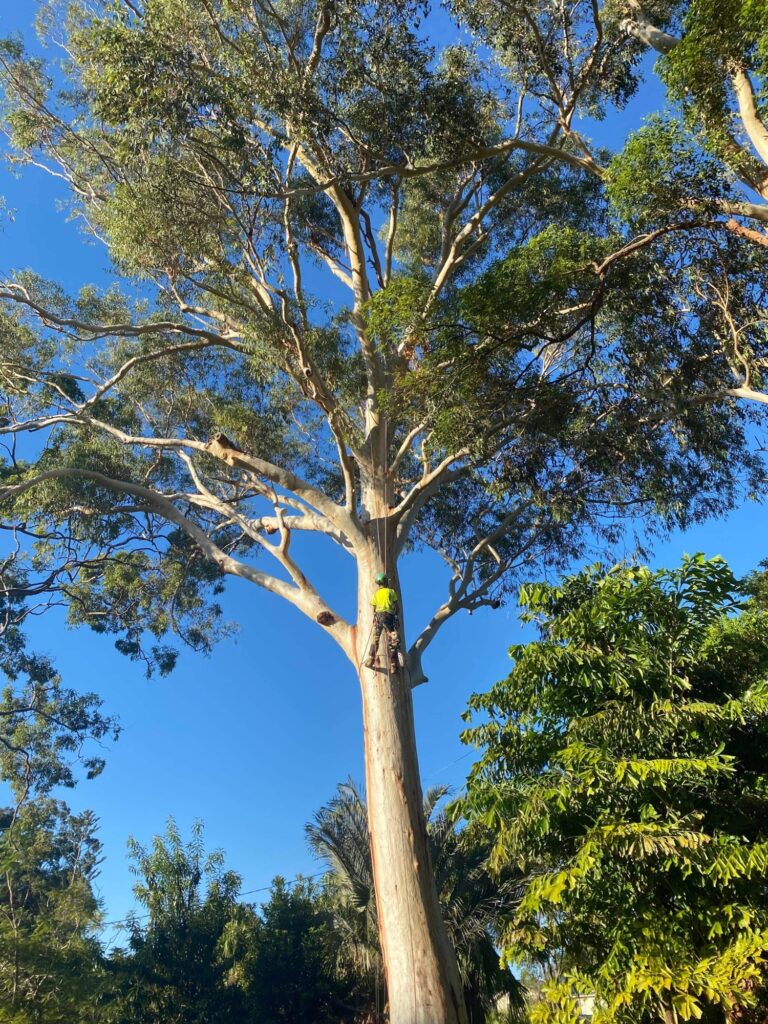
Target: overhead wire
293,881
247,892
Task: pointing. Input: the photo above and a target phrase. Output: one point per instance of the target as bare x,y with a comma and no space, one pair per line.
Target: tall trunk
422,976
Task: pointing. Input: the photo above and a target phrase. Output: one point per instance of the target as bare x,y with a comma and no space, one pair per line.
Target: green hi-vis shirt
384,600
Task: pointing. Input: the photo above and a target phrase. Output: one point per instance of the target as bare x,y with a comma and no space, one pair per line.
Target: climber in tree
384,603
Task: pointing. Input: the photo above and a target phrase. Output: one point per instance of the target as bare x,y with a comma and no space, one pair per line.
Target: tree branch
305,598
754,127
430,483
15,293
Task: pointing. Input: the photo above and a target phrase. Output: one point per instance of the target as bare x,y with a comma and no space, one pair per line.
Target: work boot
369,662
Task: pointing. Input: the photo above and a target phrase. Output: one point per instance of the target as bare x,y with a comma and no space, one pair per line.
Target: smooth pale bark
422,976
755,129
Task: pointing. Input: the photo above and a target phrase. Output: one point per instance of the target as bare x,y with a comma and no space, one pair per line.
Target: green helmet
381,577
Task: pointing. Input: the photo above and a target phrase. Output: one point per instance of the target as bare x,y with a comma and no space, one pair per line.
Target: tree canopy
624,771
487,352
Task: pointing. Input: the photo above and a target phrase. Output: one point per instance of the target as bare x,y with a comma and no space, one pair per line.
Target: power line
299,878
246,892
450,764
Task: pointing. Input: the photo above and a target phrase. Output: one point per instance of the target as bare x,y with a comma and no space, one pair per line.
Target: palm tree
470,898
338,835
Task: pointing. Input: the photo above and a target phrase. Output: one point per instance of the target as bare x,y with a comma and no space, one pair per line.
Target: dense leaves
625,769
50,967
175,969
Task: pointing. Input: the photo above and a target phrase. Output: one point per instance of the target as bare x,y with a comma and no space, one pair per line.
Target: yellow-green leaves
624,767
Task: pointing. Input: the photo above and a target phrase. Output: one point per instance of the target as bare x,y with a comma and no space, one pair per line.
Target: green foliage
660,170
50,964
625,771
45,727
204,956
176,968
224,153
689,161
716,38
289,968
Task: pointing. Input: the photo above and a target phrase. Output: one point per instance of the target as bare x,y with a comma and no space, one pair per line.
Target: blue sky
254,738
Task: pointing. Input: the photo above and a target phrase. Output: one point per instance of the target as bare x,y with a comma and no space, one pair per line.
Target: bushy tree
503,370
199,954
50,958
176,968
289,969
624,768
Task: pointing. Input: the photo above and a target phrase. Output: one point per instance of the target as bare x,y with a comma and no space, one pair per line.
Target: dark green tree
624,769
373,293
177,969
50,958
289,964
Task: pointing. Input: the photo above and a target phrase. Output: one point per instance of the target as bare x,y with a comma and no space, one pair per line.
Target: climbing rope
382,537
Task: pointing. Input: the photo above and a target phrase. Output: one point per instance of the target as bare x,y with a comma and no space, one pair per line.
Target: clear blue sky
254,738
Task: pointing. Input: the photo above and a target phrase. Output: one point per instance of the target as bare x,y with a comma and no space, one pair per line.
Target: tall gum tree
374,295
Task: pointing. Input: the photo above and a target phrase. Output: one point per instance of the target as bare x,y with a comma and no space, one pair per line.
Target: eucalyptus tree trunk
422,976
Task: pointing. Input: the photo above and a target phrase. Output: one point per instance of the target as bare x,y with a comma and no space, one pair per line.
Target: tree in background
51,970
338,835
50,958
483,385
625,770
201,955
176,968
44,726
472,901
289,968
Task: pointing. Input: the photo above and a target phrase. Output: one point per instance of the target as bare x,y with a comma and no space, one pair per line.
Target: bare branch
405,447
305,599
337,515
15,293
303,519
407,170
753,125
749,394
641,28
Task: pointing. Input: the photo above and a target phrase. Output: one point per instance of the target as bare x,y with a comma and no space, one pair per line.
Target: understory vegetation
609,850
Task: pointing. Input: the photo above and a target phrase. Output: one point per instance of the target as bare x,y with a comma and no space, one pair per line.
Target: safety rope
382,538
383,546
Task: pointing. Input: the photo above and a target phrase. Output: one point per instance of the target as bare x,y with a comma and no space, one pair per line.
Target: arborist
385,617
